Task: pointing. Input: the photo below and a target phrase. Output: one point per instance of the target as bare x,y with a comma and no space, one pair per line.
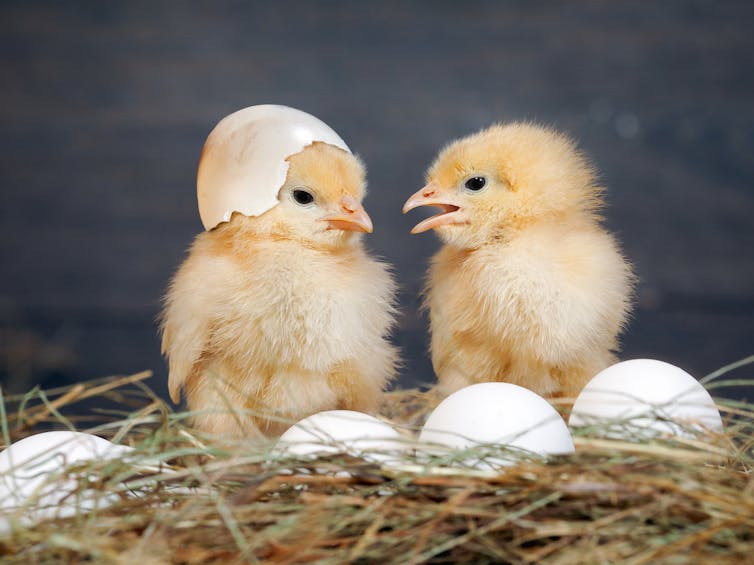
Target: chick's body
276,317
529,288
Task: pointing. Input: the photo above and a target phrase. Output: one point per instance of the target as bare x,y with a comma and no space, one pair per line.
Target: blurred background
104,108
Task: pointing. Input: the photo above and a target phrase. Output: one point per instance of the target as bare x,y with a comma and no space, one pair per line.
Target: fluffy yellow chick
529,288
276,317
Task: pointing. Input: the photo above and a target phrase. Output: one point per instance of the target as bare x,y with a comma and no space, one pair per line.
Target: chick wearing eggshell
279,310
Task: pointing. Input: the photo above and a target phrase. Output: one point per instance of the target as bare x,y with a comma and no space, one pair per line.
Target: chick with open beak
529,288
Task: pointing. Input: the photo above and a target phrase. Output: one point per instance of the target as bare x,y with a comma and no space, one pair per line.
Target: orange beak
428,196
350,217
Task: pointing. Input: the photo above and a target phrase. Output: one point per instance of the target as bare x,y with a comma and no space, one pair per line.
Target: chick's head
320,203
504,178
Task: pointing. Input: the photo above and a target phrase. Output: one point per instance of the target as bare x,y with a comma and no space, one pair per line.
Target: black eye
302,197
476,183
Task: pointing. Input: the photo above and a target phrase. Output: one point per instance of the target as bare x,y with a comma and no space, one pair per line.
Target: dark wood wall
104,107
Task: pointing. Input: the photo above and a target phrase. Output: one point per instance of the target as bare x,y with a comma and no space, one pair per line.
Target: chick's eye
302,197
476,183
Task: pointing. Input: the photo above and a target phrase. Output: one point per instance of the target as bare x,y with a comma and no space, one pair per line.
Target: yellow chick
275,317
529,288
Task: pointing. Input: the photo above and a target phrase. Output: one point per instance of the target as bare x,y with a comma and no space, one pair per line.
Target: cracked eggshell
33,479
644,398
497,414
343,431
243,163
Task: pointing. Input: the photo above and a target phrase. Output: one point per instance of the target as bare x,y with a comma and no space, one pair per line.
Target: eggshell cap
243,163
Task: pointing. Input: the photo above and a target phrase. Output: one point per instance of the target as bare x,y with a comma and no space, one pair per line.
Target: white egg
343,431
33,479
243,163
643,398
497,414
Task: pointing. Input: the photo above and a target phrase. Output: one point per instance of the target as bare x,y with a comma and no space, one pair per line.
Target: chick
529,288
276,317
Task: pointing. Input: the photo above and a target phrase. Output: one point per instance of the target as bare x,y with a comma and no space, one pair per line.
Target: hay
666,501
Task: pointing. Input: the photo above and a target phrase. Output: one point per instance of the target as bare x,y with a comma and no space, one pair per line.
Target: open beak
350,217
428,196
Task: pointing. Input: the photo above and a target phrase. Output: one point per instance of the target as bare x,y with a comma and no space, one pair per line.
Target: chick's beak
429,196
350,217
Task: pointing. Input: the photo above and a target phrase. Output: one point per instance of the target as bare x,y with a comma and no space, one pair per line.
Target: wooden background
104,107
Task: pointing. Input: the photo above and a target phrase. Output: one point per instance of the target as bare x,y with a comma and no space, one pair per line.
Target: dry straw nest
663,501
